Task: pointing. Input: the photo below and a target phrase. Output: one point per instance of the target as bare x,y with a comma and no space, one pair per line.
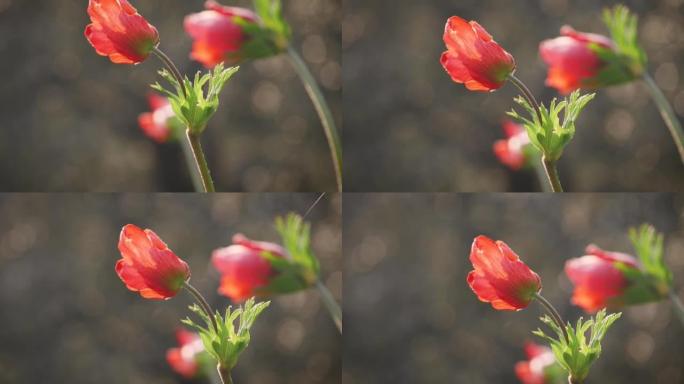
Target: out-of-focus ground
410,316
68,117
67,318
410,128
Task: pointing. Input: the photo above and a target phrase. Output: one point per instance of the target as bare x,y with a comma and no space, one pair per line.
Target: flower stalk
324,113
666,112
553,312
168,63
330,304
200,161
552,174
527,94
202,303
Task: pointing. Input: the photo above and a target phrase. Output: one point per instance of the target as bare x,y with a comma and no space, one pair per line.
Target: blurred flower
512,150
185,359
118,31
500,278
218,33
473,58
573,63
244,267
598,280
158,123
540,368
148,266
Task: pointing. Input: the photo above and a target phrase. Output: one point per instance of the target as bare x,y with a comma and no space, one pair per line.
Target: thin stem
330,304
528,95
200,161
224,374
677,305
540,171
553,312
552,174
168,63
572,380
192,168
667,114
323,111
202,302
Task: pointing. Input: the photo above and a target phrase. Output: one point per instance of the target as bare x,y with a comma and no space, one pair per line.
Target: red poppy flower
500,278
118,31
473,58
183,359
511,151
216,34
243,267
573,64
148,266
533,370
156,124
598,282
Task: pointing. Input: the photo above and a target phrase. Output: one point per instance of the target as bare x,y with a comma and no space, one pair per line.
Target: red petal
596,281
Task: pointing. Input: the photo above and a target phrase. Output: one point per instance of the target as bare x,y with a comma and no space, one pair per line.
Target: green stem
330,304
168,63
527,94
572,380
677,305
202,302
540,171
224,374
195,175
553,312
200,161
667,114
323,111
552,174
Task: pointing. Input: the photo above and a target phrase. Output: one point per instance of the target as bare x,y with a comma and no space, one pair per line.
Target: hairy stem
168,63
323,111
677,305
224,374
553,312
552,174
330,304
202,302
668,115
195,175
200,161
527,94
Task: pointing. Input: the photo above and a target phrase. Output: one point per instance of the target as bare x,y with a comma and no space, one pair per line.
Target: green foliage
626,60
577,352
270,36
300,269
194,107
551,135
224,342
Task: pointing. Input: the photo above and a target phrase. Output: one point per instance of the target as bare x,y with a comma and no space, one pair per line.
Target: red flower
533,370
598,282
148,266
118,31
573,64
243,267
156,124
473,58
500,278
183,359
511,151
216,35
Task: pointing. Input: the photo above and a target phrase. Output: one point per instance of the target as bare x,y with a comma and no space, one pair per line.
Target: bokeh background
68,117
410,128
67,318
410,316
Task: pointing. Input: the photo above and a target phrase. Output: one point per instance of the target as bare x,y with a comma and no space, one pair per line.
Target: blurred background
410,316
410,128
67,318
68,117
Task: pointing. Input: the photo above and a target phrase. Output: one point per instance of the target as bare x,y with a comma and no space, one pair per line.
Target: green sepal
226,343
551,135
577,352
194,107
268,37
300,269
625,61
